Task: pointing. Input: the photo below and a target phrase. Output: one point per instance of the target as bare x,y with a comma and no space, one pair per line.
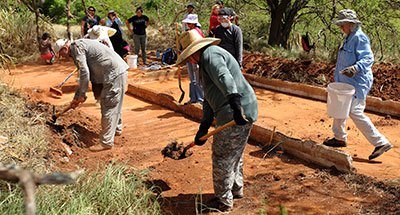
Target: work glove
238,114
349,71
203,130
75,102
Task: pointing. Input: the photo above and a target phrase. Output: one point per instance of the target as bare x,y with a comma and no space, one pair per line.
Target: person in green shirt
227,96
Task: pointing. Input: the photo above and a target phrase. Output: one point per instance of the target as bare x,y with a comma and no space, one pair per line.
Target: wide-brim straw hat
101,32
191,42
346,16
60,43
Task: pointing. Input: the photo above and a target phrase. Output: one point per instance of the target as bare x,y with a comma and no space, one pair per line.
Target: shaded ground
276,183
386,76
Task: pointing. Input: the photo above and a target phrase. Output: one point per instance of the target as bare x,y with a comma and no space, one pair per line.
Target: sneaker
379,150
99,147
335,143
214,205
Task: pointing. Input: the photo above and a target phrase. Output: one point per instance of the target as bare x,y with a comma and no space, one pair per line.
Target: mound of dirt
386,76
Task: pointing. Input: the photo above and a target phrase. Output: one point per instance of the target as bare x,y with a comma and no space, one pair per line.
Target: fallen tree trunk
29,181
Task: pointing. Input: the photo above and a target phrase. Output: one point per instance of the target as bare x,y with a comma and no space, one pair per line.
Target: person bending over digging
46,50
105,66
227,96
354,67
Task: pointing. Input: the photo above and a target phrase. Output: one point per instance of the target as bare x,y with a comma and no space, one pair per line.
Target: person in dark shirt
119,44
139,23
230,34
90,20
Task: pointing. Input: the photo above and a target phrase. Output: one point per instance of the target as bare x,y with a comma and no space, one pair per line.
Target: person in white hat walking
196,93
354,67
227,96
100,64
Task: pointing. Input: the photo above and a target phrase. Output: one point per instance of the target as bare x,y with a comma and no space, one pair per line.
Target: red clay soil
386,76
276,183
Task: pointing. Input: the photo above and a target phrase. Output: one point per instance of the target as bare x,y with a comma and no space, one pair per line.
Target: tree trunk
68,11
37,14
283,15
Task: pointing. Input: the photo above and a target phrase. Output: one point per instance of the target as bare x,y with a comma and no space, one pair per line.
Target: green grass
117,190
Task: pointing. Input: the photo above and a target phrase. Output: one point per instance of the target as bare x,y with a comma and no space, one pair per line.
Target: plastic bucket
132,61
340,96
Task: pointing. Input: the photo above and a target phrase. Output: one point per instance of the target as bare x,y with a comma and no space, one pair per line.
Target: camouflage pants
227,158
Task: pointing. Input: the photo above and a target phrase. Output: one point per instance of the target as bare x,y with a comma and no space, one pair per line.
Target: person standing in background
139,23
230,34
196,93
46,50
354,67
90,20
189,10
213,20
119,44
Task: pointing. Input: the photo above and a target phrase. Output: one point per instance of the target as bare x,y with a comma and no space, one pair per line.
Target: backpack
169,56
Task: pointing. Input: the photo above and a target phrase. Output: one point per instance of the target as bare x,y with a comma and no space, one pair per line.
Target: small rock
322,120
64,160
348,128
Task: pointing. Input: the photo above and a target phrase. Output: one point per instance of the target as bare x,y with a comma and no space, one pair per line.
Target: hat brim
194,47
343,21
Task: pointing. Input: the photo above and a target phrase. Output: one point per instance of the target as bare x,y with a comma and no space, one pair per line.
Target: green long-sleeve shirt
221,76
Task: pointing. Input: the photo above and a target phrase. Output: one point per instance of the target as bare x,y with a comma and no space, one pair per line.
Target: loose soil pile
386,76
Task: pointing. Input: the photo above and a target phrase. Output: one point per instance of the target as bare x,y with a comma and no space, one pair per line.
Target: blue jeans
196,93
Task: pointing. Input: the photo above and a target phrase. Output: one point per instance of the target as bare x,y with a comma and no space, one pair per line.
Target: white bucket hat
60,43
191,42
346,15
192,18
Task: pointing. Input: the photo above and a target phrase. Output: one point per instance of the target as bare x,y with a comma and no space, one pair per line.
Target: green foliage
117,190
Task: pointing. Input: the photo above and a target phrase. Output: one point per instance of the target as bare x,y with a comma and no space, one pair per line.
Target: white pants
362,122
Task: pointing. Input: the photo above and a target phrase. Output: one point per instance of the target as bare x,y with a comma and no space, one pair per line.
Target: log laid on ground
306,150
374,104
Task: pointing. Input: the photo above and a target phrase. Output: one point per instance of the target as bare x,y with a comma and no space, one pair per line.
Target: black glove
203,130
238,115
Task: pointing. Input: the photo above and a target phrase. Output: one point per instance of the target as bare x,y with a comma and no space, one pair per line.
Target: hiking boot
335,143
99,147
379,150
214,205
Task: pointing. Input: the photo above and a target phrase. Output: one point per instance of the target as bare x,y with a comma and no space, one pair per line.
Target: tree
283,15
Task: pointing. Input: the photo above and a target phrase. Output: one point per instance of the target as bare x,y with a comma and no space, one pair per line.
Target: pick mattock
178,151
178,47
57,90
56,115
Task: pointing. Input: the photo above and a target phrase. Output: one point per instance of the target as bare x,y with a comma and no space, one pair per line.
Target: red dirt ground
279,180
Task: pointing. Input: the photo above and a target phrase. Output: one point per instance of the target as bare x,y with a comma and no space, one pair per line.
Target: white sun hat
192,18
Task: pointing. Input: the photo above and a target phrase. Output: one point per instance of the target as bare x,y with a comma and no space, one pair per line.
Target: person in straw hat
227,96
100,64
354,67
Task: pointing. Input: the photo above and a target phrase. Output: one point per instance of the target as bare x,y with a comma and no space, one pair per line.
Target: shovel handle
69,107
66,79
209,134
217,130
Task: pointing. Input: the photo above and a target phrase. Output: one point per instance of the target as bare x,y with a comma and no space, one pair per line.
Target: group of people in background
214,66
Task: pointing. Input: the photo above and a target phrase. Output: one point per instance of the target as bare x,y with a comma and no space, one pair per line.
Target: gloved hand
203,130
75,102
238,115
349,71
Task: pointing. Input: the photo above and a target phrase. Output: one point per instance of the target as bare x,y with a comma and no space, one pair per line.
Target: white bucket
132,61
340,96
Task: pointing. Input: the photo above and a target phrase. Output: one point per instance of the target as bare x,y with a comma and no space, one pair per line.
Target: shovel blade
56,91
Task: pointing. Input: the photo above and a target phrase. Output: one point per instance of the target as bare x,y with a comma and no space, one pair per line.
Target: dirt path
276,181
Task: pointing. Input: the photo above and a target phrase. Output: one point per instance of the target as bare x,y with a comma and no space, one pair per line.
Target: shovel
177,153
180,86
57,90
56,115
